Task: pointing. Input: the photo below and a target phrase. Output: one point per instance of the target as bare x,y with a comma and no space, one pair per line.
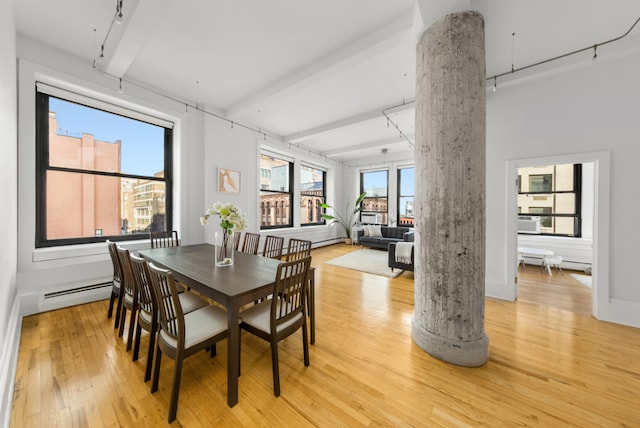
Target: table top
535,251
194,265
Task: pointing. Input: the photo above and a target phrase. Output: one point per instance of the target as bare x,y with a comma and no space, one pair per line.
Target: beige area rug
366,260
582,279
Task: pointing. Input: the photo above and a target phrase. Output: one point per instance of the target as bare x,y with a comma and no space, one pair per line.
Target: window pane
541,183
275,208
274,174
565,203
564,178
564,225
311,195
88,205
375,183
405,198
91,139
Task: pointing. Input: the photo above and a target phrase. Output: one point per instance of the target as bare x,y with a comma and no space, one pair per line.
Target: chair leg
213,350
118,312
276,368
111,300
136,342
305,344
123,316
152,342
175,390
132,326
156,370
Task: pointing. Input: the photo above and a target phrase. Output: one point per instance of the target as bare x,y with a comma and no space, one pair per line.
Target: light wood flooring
548,367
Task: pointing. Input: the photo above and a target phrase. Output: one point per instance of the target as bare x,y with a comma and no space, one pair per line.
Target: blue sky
142,143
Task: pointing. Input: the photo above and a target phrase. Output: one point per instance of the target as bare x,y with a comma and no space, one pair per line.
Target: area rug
582,279
365,260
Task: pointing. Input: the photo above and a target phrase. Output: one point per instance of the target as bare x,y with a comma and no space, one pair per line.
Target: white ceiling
313,73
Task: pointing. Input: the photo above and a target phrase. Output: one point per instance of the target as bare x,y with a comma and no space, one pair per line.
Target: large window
99,174
276,198
374,206
312,195
405,196
550,197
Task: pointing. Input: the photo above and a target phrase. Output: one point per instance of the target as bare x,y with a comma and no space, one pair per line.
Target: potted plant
347,220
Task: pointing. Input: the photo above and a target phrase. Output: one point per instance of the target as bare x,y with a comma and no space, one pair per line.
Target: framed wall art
228,181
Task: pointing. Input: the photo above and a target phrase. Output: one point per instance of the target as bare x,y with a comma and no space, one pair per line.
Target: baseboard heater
77,290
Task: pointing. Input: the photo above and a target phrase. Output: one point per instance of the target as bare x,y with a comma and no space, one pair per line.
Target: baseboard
9,362
621,311
501,291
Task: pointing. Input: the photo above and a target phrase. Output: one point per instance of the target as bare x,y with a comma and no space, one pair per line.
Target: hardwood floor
548,367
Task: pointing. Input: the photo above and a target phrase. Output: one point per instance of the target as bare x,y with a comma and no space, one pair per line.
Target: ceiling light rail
117,19
395,125
595,56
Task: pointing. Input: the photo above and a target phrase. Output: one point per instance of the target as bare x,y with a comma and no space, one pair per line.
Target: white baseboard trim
9,362
621,311
498,290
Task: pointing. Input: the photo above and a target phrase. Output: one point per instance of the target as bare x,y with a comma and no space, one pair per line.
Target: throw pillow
375,231
366,230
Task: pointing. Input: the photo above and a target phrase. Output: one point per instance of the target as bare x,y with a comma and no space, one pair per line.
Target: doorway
600,220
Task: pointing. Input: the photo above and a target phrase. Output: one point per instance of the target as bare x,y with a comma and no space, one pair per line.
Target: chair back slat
292,280
273,247
298,249
128,280
164,239
236,240
166,294
251,241
140,274
117,271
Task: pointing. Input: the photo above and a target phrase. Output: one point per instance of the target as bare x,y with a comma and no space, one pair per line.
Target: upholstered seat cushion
259,316
199,325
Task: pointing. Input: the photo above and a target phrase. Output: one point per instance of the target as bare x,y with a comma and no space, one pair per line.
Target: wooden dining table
250,278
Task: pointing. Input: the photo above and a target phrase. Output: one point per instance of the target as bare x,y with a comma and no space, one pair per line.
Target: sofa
388,234
393,263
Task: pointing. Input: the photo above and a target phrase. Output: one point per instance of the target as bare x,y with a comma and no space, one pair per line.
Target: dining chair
129,294
117,283
251,241
148,309
164,239
283,314
181,335
297,249
273,247
236,240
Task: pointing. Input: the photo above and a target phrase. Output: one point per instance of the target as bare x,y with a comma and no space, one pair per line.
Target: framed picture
228,181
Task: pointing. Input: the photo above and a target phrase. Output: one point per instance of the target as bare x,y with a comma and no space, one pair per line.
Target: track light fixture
120,86
495,83
118,17
595,53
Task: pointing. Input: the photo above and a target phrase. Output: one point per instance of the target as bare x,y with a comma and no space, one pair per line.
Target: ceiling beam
391,35
364,146
140,21
348,121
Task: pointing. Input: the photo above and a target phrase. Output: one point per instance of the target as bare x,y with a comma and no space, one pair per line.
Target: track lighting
118,17
595,53
495,83
120,86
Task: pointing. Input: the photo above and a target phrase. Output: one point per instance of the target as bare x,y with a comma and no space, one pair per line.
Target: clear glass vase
224,248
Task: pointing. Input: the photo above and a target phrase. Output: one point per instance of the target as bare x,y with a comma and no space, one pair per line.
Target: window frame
268,205
43,167
400,195
576,215
362,189
323,197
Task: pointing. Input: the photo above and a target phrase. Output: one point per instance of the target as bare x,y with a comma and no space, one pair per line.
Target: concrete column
450,150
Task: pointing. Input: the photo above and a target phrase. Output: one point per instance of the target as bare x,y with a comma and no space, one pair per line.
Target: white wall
238,148
588,109
9,319
46,270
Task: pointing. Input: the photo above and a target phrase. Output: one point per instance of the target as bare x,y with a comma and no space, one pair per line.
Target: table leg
233,355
